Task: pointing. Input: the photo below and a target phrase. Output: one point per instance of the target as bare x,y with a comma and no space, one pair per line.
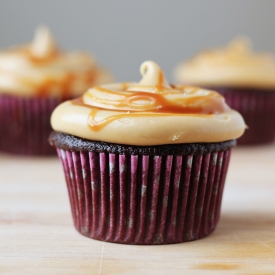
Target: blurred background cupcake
245,78
34,79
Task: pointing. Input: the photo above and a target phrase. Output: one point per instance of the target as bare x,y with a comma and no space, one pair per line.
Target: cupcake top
235,65
42,69
151,112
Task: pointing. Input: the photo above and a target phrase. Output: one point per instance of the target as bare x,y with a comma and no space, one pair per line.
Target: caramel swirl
153,95
150,112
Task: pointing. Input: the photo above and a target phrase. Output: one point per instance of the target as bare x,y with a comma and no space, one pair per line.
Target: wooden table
37,235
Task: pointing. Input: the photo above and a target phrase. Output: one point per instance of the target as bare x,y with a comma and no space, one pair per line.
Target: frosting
235,65
43,45
42,69
150,112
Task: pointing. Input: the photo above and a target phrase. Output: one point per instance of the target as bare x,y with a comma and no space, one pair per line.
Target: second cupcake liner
258,109
25,124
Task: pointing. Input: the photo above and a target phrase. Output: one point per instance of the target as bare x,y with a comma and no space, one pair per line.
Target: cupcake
34,79
145,163
245,78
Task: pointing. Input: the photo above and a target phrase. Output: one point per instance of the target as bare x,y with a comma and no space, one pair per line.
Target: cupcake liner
25,124
140,199
258,109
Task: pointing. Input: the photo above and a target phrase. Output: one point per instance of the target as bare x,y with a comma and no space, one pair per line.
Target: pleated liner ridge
138,199
258,109
25,124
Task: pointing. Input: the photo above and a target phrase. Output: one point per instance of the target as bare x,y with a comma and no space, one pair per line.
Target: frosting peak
43,45
150,112
153,79
240,45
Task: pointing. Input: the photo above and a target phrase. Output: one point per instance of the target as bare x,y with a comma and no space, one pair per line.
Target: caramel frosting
235,65
150,112
42,69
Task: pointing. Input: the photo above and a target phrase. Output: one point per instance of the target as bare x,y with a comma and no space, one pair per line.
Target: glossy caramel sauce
153,96
159,86
25,51
98,125
156,104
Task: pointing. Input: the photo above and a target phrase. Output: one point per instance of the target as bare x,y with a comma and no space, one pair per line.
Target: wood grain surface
37,235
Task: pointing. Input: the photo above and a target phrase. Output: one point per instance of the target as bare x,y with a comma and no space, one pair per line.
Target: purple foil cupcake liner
25,124
139,199
258,109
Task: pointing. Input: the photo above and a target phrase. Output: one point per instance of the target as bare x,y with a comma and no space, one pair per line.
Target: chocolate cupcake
145,163
34,79
247,81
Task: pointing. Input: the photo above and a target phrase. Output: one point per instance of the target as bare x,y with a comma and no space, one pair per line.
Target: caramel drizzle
64,85
26,52
98,125
153,103
157,102
159,86
158,106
